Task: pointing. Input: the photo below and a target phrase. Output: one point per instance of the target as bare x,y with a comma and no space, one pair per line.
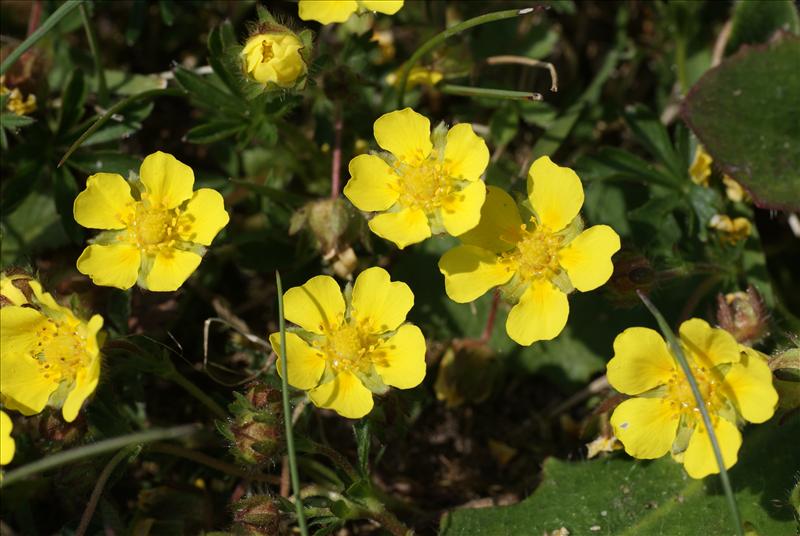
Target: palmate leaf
624,497
746,113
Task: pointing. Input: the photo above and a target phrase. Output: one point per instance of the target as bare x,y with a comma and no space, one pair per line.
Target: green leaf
214,131
654,137
104,161
363,433
122,127
65,190
205,93
72,100
624,497
746,115
124,83
503,125
754,22
13,121
219,58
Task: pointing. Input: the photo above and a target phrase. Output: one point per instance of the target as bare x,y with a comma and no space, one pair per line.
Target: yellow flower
734,190
16,103
700,169
7,445
730,230
349,348
428,184
419,76
735,382
274,57
14,288
155,228
48,356
537,263
330,11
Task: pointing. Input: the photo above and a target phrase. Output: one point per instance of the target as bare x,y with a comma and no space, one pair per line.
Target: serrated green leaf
746,115
755,22
214,131
205,93
624,497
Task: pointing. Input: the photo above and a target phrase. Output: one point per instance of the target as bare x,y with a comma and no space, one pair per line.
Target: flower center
266,51
153,226
61,349
425,186
348,348
681,398
536,253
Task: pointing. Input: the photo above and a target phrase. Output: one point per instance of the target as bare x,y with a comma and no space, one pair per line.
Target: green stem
334,456
287,414
481,92
46,26
198,393
116,109
97,492
102,88
389,521
677,351
208,461
440,38
95,449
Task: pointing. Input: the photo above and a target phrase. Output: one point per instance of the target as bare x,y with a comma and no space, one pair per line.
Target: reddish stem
487,331
35,16
336,160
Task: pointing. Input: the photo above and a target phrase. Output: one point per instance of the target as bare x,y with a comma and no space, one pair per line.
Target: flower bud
466,373
273,55
743,315
256,515
256,429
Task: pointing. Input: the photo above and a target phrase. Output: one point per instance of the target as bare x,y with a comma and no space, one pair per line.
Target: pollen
426,186
349,348
61,350
536,253
681,397
152,227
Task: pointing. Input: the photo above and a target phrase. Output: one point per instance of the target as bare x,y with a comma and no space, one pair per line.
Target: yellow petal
326,11
388,7
372,184
699,460
316,306
306,363
465,154
462,210
18,329
168,182
406,134
9,290
345,394
406,227
400,359
645,426
7,445
379,303
555,193
106,203
204,217
499,226
22,383
111,266
169,269
85,383
641,361
469,272
540,315
587,259
749,385
706,345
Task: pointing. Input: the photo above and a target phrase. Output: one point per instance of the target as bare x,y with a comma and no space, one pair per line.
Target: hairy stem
97,492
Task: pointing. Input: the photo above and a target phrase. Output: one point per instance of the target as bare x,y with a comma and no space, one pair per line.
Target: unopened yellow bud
274,57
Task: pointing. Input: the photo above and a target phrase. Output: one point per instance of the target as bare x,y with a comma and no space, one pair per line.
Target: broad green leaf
13,121
205,93
746,115
624,497
124,83
755,22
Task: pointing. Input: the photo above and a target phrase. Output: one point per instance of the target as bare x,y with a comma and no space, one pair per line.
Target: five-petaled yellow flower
274,57
48,356
429,183
156,228
734,380
7,445
330,11
536,263
349,347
